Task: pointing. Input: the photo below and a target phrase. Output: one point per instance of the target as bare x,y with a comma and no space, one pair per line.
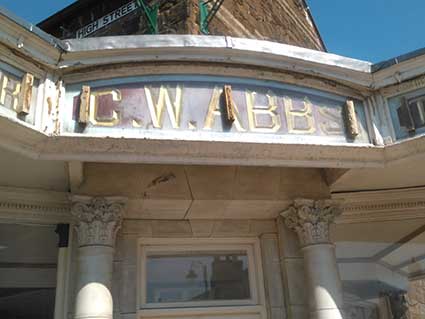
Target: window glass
382,267
28,262
197,277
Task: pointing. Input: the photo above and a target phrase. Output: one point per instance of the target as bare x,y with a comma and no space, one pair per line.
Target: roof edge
399,59
53,41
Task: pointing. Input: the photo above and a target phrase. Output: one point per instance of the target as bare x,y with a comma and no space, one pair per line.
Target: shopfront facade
184,176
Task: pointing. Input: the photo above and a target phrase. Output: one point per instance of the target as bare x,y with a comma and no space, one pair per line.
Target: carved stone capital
98,219
310,219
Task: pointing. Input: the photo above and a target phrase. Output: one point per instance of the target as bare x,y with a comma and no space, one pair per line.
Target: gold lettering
157,109
137,123
13,92
331,123
299,121
94,108
214,111
254,112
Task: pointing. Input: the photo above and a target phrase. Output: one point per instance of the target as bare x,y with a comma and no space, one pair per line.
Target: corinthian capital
310,219
98,219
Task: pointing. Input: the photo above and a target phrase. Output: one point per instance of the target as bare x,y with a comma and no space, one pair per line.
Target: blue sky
372,30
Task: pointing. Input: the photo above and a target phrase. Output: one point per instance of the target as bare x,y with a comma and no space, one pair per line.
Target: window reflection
197,277
28,262
382,267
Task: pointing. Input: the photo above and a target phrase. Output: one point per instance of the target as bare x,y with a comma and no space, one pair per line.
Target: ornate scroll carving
230,104
98,219
24,104
351,119
310,219
84,105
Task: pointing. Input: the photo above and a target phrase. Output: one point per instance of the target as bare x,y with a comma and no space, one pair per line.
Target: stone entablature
358,207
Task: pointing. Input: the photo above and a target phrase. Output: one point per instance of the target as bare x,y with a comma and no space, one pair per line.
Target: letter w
157,109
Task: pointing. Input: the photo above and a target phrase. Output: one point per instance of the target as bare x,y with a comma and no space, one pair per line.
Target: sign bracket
207,11
151,13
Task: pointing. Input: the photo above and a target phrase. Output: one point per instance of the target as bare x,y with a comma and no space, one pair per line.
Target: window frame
168,245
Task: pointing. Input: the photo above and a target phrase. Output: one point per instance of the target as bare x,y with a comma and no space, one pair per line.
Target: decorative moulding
385,205
32,205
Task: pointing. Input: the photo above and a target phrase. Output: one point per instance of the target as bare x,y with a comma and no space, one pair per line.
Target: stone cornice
383,205
24,139
33,205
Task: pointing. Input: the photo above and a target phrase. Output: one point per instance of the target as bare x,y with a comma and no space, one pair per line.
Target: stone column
97,223
62,271
310,220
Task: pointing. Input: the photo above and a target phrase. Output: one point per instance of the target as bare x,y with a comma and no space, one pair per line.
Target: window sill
251,312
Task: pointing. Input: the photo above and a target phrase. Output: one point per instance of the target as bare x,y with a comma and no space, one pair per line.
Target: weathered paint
198,104
17,94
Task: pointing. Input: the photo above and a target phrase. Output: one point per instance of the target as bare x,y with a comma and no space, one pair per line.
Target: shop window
382,267
412,113
28,263
198,275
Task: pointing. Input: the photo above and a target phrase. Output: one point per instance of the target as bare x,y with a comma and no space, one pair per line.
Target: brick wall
277,20
173,15
283,21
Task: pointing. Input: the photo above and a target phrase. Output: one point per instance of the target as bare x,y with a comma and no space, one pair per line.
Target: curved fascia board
93,52
29,40
399,73
218,49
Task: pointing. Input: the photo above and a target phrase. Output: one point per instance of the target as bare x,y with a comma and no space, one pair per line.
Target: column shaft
94,299
324,284
310,220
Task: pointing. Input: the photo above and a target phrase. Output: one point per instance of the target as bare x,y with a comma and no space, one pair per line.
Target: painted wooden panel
199,105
